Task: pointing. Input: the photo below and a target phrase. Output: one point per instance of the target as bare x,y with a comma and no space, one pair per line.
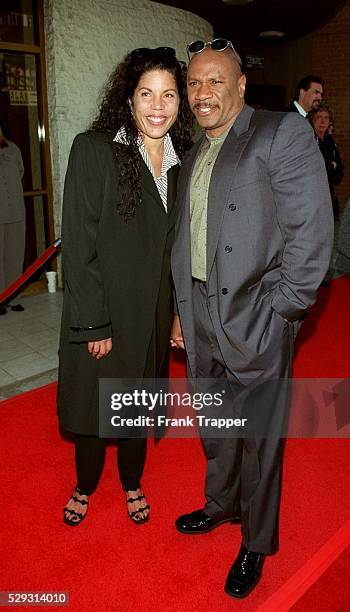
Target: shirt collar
219,139
122,138
169,151
300,109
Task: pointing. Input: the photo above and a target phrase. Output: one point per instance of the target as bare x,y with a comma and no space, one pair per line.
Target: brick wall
331,60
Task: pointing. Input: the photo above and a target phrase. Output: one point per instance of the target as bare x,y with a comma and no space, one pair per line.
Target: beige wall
85,39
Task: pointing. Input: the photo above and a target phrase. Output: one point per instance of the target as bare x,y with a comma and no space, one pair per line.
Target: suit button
232,207
224,291
228,249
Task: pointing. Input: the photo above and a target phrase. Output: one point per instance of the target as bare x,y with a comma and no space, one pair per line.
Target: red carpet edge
292,590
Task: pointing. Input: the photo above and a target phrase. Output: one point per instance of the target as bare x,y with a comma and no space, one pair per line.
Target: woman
322,121
12,217
118,220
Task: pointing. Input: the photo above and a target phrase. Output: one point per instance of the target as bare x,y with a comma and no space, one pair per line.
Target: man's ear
241,85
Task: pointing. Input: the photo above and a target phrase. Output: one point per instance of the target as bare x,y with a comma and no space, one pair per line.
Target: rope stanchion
34,267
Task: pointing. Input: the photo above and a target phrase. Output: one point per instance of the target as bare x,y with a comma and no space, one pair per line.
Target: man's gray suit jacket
269,239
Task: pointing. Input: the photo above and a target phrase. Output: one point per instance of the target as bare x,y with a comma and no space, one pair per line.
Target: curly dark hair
323,106
115,112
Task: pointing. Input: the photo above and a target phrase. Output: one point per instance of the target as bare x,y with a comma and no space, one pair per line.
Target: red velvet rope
36,265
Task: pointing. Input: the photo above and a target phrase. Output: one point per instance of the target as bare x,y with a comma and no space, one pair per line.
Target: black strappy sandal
138,520
80,517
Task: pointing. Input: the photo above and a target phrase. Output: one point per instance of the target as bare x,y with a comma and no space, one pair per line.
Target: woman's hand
100,348
176,337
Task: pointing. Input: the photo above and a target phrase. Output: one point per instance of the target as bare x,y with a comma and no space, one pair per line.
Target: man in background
308,95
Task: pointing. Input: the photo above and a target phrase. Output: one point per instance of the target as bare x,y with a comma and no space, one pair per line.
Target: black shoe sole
251,588
141,521
233,521
67,521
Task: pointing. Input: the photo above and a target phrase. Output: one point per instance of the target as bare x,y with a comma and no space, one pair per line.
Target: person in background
117,231
12,217
322,121
308,95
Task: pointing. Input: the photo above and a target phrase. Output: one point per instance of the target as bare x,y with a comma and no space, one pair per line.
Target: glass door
23,114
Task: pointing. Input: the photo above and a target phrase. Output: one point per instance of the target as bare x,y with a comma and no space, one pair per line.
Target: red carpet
109,564
331,581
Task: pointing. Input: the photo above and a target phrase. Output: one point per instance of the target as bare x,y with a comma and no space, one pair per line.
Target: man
253,242
308,95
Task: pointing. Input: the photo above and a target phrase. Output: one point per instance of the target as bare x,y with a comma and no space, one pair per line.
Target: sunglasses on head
218,44
159,51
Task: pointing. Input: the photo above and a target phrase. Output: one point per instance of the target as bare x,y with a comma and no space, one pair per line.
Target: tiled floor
29,339
29,344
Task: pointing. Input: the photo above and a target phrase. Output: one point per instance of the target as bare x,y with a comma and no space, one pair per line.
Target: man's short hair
306,82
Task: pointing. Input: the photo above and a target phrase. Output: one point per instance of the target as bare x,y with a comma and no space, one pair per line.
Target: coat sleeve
304,213
338,169
82,203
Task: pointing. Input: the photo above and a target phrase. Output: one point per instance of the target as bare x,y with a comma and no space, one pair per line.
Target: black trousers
243,473
90,454
90,451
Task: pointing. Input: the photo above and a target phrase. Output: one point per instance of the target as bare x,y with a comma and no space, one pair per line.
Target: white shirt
170,159
300,109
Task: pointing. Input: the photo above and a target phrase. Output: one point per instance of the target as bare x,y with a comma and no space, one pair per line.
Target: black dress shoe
245,573
3,310
17,308
198,522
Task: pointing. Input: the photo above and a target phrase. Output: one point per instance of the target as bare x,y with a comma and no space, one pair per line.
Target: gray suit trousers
244,473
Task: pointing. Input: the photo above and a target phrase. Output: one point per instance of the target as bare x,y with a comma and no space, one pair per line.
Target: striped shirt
170,159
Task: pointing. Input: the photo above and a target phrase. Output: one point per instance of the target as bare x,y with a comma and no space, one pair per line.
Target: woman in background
322,121
118,221
12,217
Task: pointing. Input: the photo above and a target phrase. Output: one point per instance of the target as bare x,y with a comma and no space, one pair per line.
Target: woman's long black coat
117,279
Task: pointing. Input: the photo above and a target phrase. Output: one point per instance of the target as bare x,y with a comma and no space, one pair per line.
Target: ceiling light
272,34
